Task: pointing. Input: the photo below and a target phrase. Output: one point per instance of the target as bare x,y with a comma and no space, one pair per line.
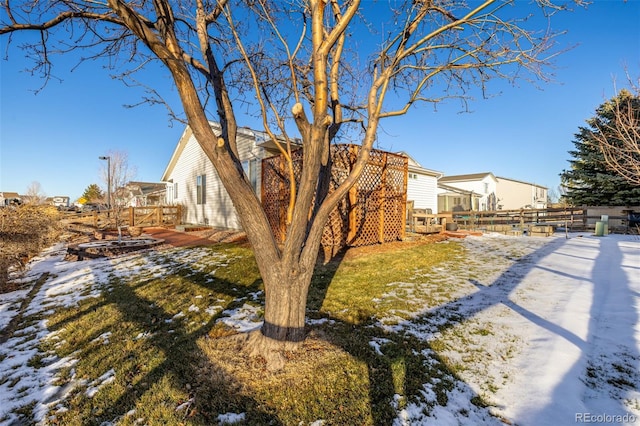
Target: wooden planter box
135,231
541,231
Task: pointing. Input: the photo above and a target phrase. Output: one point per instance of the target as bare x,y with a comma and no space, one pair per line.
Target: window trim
250,168
201,189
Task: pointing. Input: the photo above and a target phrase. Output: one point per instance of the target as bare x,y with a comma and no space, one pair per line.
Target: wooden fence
129,216
574,218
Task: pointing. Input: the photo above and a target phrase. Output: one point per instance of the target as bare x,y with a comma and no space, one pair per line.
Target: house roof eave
468,177
414,166
521,181
452,190
182,142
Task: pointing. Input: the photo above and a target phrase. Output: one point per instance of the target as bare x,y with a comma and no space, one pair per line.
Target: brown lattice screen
372,212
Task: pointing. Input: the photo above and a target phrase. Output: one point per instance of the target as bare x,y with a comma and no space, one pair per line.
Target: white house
481,187
514,194
9,198
193,182
422,185
454,199
60,201
141,194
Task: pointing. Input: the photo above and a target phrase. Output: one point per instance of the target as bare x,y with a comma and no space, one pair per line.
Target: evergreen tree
590,181
93,193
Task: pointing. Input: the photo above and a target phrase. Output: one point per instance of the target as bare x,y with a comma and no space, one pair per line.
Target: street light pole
108,179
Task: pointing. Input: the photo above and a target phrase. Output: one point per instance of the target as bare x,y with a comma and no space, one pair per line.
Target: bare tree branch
618,133
325,69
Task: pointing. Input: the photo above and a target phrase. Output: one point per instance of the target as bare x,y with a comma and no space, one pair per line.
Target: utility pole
108,180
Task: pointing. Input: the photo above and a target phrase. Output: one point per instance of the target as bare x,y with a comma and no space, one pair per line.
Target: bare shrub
24,231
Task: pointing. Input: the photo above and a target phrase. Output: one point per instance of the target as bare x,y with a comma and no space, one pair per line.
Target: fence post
159,215
178,218
382,199
403,229
351,221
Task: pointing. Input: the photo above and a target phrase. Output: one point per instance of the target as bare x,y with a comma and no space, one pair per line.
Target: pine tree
590,181
93,193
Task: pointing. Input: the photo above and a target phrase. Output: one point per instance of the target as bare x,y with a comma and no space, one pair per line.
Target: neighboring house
59,201
9,198
422,185
141,194
515,194
452,199
192,181
481,188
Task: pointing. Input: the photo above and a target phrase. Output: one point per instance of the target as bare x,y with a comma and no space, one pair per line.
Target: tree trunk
284,316
285,306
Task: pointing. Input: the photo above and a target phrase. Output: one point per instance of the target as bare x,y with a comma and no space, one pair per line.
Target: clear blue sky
56,136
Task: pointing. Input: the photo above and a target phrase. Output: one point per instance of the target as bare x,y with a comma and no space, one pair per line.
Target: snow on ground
551,339
23,382
547,330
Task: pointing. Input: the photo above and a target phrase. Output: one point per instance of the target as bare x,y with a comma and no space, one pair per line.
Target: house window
175,191
201,189
251,170
486,188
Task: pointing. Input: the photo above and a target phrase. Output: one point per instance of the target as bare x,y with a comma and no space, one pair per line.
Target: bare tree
617,132
318,70
116,174
35,195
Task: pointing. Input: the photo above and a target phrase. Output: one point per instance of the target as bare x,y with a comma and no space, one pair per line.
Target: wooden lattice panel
373,210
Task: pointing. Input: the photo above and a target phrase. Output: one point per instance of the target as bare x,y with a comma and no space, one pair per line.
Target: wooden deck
427,223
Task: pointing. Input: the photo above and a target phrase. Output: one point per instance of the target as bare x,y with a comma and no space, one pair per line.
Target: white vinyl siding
515,194
485,188
422,189
218,210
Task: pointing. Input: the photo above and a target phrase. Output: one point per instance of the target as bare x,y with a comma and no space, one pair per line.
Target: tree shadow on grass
185,363
400,363
403,365
162,374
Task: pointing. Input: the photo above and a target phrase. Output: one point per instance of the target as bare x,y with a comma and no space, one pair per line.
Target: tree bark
286,290
285,306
